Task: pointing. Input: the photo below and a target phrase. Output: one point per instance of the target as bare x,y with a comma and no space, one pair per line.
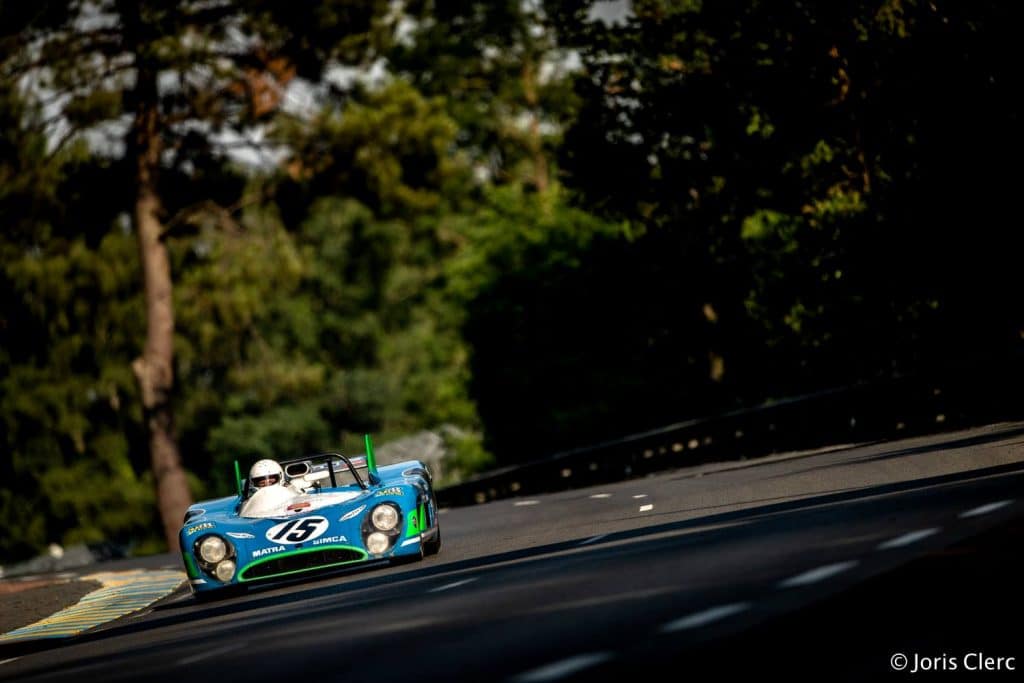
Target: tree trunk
536,143
154,370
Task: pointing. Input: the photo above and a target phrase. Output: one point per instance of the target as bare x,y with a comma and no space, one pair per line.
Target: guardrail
859,413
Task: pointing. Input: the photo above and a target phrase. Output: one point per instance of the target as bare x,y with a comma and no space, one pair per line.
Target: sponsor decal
390,491
330,539
240,534
298,530
352,513
268,551
199,527
300,506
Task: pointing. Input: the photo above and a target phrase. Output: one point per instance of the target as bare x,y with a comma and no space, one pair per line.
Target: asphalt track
818,566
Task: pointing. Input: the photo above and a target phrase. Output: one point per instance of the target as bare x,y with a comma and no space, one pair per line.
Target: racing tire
221,594
433,546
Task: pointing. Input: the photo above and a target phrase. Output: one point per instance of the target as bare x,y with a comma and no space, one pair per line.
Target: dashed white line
394,627
592,539
985,509
645,508
603,599
562,668
639,496
601,495
908,538
447,586
704,617
521,503
211,653
818,574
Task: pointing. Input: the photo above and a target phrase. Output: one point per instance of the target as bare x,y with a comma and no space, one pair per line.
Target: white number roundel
297,530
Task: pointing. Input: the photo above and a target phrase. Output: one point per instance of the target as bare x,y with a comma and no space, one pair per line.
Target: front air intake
298,561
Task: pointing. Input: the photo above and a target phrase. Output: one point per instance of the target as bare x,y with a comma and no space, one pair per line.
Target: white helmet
266,473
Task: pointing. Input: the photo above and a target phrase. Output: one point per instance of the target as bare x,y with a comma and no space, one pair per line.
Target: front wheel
221,593
433,546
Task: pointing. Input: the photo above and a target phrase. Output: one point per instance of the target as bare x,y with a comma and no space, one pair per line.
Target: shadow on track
965,442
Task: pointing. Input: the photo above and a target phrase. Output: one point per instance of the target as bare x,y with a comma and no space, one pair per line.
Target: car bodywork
328,516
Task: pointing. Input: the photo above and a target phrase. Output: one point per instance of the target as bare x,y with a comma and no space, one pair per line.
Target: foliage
815,167
504,78
540,227
299,341
72,466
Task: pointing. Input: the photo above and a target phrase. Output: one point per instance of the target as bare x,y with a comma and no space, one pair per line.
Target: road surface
824,566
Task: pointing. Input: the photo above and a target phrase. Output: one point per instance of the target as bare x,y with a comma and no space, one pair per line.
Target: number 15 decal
298,530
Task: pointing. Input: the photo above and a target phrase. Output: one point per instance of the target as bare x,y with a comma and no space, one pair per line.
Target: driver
266,473
268,493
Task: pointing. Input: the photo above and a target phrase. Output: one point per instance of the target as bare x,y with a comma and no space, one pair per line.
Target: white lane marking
521,503
704,617
8,661
908,538
819,574
456,584
985,509
211,653
601,495
645,594
395,627
645,508
562,668
639,496
593,538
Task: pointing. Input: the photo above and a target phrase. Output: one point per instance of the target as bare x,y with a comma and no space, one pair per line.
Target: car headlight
213,549
224,571
384,517
377,543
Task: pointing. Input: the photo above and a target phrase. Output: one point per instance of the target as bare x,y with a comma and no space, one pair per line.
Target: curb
122,593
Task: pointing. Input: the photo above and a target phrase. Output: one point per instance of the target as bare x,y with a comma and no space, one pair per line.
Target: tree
69,325
808,161
504,78
166,80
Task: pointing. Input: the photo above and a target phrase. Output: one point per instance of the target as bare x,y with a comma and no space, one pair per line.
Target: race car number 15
298,530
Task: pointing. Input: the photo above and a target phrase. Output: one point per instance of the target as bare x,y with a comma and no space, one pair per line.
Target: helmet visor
268,480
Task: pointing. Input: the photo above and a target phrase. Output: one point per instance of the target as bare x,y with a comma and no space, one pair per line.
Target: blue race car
323,512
